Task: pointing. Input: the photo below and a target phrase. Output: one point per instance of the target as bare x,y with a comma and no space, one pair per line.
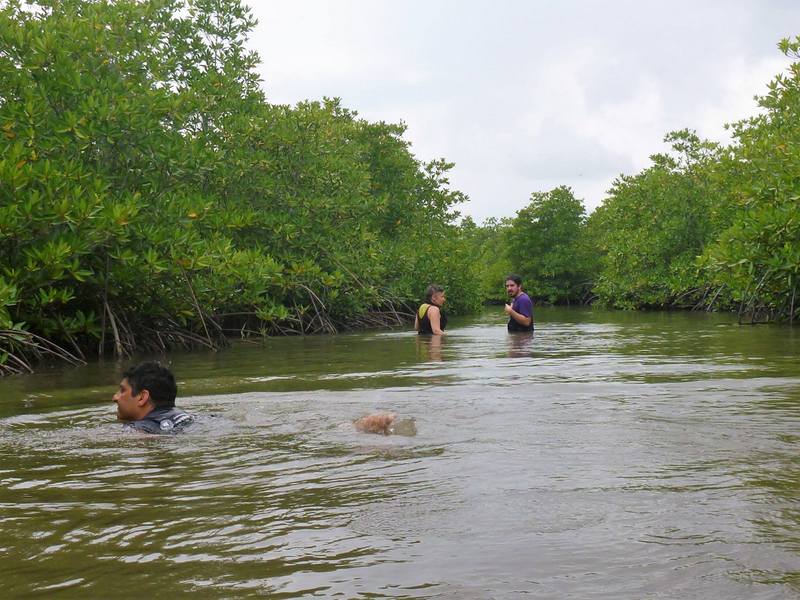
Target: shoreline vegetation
152,198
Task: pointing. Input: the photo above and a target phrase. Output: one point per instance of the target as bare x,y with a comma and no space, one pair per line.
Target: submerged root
19,350
124,335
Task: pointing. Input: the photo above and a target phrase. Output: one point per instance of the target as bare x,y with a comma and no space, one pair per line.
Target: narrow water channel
613,455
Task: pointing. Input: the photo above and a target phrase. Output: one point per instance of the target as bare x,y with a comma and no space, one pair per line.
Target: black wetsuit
162,420
425,320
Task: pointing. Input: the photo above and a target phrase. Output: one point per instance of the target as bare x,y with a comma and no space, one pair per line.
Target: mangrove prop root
20,349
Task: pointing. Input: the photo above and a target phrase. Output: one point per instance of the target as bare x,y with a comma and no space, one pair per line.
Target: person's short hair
433,288
513,277
156,379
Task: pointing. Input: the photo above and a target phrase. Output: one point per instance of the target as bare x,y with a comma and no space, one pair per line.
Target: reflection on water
520,344
429,347
613,455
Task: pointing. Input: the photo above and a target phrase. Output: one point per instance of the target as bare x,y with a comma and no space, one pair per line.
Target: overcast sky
526,95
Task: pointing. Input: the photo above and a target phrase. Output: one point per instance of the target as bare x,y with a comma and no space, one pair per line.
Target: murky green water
615,455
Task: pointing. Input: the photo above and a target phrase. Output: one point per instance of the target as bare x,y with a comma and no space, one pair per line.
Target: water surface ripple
613,455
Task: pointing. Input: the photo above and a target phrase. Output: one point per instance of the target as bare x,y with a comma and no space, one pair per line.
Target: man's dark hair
432,289
514,277
156,379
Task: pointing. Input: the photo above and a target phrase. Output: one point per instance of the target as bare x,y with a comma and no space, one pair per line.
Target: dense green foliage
150,196
757,257
716,227
487,245
544,246
704,226
654,224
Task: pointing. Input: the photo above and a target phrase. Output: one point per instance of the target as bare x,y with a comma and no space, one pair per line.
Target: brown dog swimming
385,424
377,423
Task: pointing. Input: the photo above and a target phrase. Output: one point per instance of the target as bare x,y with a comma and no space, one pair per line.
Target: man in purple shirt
520,311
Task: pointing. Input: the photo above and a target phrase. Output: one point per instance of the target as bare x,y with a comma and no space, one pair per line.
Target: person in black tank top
430,318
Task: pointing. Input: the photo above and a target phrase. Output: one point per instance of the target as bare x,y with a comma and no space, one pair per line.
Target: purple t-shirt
524,306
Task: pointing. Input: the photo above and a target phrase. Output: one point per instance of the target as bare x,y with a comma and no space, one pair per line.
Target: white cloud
740,81
527,95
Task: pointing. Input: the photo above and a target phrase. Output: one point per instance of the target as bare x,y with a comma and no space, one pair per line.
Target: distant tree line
705,226
152,198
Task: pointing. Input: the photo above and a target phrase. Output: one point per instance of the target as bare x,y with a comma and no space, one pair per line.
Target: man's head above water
513,285
143,388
